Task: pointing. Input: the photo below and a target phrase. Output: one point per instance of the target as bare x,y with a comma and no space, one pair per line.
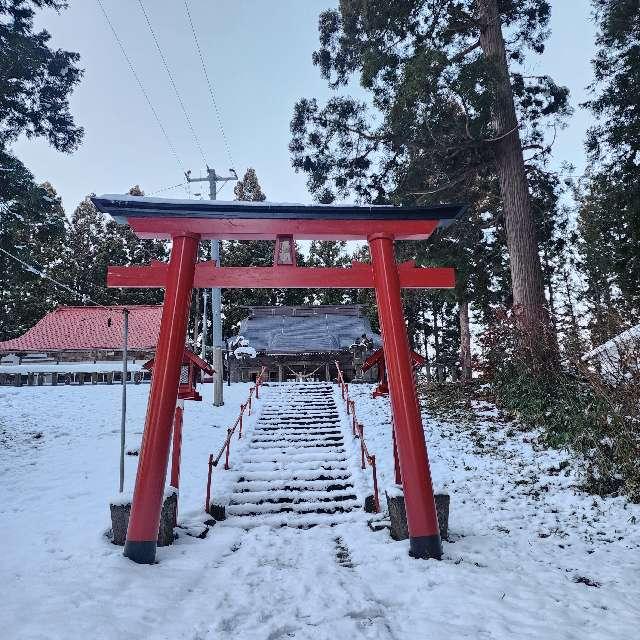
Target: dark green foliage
258,253
609,198
324,253
431,92
32,227
594,416
35,80
95,242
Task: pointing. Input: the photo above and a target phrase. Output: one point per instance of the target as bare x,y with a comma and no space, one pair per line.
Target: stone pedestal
398,514
218,512
370,504
120,513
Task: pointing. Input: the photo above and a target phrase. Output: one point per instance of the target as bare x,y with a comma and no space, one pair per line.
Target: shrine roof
120,207
88,328
306,329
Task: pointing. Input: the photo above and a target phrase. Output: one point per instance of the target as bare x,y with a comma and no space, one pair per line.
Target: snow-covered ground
530,557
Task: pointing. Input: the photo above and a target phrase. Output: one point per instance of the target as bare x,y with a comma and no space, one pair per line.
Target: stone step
296,508
266,475
334,484
281,496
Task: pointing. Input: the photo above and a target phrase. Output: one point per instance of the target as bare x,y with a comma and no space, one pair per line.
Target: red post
250,396
226,457
396,463
208,498
142,534
240,424
376,497
424,534
177,445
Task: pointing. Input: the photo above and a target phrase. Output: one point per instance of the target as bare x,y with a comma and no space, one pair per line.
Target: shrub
595,416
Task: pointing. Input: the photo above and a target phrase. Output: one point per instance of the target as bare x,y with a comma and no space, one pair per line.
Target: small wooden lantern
191,369
377,358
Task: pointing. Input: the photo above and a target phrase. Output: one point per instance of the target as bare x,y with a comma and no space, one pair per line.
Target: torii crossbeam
186,222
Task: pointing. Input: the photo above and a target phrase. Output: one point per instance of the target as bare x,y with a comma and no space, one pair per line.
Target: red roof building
89,329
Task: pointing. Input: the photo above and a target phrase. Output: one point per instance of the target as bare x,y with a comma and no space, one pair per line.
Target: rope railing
226,445
358,432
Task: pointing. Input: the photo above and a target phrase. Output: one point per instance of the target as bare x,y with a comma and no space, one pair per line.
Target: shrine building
303,343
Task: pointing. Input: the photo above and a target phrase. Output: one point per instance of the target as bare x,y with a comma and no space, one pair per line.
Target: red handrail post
250,396
348,406
226,458
240,418
257,388
208,498
376,497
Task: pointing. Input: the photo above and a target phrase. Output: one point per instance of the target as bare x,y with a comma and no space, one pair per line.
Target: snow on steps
295,472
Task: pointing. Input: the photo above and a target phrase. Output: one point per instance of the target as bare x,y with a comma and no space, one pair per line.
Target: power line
173,186
173,84
210,85
40,272
144,92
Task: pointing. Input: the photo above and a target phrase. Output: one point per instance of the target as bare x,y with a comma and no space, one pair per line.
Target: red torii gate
186,222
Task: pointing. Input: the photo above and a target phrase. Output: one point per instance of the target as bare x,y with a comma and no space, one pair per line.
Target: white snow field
530,556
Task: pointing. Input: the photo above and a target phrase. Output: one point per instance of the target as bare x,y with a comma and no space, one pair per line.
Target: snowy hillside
530,557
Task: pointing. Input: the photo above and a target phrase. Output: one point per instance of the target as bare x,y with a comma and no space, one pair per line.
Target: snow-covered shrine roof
88,328
306,329
612,347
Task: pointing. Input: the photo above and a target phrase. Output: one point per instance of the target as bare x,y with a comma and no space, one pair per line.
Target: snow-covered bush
578,408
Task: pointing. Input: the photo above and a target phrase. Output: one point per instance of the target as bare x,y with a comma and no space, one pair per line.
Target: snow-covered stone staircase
295,471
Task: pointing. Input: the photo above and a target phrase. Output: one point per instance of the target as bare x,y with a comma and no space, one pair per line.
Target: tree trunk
465,340
526,273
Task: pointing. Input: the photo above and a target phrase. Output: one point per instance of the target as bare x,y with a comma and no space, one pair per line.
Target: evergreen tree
453,109
35,80
32,227
35,83
251,253
326,253
96,242
609,212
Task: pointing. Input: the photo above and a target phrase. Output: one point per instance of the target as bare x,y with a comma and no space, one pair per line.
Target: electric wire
172,148
173,186
41,273
173,84
216,109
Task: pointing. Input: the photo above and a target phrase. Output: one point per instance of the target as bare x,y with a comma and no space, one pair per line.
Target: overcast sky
258,54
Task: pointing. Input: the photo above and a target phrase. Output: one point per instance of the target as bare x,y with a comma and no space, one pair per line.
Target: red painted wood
176,446
268,229
154,452
207,275
412,451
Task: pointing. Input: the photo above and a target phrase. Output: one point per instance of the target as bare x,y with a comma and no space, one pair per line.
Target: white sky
259,57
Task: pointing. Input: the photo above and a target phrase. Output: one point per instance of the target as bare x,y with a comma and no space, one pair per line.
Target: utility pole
216,303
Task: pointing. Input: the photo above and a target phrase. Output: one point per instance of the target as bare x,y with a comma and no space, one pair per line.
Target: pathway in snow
295,471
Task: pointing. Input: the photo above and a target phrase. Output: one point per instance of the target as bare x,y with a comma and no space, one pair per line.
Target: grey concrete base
398,515
120,521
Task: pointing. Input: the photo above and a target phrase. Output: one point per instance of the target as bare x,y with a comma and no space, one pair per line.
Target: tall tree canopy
609,214
35,80
35,83
449,105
